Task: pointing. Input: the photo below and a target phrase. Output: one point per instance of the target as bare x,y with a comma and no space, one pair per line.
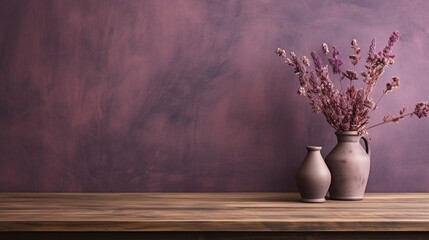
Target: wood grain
156,212
215,235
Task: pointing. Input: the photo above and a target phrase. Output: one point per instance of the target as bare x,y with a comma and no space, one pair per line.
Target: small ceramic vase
313,177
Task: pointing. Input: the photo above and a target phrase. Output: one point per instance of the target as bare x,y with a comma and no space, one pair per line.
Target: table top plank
210,212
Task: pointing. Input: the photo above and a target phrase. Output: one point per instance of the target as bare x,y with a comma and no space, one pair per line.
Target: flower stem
376,104
390,120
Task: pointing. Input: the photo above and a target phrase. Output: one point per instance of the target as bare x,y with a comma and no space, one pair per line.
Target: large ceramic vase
349,165
313,177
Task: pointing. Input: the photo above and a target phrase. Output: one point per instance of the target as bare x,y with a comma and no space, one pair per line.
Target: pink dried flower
396,119
369,104
281,52
325,48
317,61
387,51
422,109
389,88
394,38
387,118
391,85
354,59
390,118
335,61
305,61
356,56
350,74
395,81
289,62
348,109
372,55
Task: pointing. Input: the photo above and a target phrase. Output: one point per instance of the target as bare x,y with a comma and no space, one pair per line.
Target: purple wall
188,95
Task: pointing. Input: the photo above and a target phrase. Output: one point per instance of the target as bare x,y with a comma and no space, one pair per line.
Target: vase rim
347,133
314,148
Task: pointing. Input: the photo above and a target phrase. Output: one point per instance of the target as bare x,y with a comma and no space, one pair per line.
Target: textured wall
188,95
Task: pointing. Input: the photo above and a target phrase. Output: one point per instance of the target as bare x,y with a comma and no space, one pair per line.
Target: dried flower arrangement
349,109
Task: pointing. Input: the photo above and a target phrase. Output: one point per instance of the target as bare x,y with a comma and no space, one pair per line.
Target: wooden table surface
209,212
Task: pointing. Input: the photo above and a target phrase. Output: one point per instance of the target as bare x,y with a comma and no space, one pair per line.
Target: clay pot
313,177
349,165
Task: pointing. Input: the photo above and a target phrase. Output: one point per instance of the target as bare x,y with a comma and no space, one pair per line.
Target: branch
393,119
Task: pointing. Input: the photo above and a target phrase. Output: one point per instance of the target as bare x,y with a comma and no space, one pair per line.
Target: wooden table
210,216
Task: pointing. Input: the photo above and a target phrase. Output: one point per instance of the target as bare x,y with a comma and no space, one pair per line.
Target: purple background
188,95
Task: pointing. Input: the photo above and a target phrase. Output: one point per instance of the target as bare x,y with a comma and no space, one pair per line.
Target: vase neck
349,136
313,148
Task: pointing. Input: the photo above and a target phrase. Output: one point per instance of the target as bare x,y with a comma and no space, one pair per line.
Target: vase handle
367,148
